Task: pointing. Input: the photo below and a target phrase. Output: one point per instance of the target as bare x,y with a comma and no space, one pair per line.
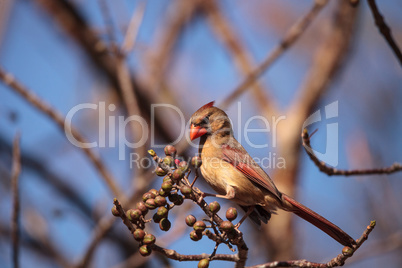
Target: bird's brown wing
242,161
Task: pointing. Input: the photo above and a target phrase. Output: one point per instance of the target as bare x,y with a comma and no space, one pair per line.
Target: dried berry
167,179
183,165
154,192
226,226
160,201
186,190
139,234
145,250
141,206
214,207
190,220
133,214
148,195
164,224
149,239
163,193
173,197
170,150
168,160
156,218
179,200
195,236
150,203
196,161
167,186
204,263
115,212
347,251
162,212
178,174
199,226
231,214
160,172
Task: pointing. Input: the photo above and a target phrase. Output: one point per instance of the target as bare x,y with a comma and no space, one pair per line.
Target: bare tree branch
133,28
339,260
385,30
338,172
290,38
16,170
242,59
9,80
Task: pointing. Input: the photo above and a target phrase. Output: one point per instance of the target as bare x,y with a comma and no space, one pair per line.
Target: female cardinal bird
234,175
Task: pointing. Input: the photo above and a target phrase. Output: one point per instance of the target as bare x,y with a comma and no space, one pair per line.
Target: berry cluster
175,188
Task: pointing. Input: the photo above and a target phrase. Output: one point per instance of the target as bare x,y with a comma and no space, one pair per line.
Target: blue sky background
369,90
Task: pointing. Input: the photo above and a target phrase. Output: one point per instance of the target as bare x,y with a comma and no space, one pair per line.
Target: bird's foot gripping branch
175,189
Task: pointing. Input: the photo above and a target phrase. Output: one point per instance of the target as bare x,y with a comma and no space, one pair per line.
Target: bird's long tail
320,222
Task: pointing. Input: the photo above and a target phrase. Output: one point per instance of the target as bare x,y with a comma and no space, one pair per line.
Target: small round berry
156,218
183,165
139,234
145,250
196,161
179,200
133,214
164,224
173,197
154,192
115,212
160,201
186,190
347,251
214,207
150,203
167,186
163,193
231,214
160,172
178,174
147,195
226,226
204,263
167,179
142,207
190,220
149,239
199,226
168,160
170,150
162,212
195,236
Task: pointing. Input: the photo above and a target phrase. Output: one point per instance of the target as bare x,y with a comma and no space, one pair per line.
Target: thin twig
107,18
16,170
337,261
384,29
290,38
55,116
133,28
243,60
337,172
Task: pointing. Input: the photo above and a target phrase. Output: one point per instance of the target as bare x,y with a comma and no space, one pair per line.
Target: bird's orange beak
196,132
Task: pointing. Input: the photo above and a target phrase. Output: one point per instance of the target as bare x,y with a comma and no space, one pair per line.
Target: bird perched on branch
234,175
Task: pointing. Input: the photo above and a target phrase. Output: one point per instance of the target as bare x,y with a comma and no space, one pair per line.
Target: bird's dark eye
204,121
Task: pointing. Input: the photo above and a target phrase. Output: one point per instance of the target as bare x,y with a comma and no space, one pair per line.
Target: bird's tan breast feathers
220,174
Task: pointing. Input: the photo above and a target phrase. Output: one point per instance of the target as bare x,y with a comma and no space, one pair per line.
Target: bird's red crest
208,105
